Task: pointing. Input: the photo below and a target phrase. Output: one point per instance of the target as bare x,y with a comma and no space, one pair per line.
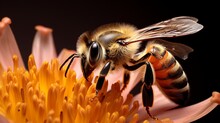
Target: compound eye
94,52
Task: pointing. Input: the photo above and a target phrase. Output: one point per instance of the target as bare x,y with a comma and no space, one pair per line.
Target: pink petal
75,65
164,108
191,113
113,77
216,97
161,104
43,45
8,45
3,119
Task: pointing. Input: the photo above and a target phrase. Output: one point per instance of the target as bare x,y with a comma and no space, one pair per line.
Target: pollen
45,95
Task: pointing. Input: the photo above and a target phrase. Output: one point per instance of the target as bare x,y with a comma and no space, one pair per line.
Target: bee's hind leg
147,82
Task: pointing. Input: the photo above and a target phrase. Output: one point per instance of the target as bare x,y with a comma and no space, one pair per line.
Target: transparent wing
177,26
177,49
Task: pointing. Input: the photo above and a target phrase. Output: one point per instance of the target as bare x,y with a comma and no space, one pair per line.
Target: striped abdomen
170,77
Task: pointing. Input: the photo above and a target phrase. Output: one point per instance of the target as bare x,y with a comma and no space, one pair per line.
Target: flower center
46,95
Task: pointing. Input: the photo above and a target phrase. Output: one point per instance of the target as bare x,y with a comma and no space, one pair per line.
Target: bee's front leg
102,75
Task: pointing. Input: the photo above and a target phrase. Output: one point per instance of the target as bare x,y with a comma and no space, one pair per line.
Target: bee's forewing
174,27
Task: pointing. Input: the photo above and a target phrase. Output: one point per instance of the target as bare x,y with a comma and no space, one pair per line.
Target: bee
119,45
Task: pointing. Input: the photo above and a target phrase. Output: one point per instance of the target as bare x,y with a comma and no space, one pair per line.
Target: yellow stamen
45,95
166,120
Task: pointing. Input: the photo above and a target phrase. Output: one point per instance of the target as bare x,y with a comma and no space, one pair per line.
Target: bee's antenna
70,57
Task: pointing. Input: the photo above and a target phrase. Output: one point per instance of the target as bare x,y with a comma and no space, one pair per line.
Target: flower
41,93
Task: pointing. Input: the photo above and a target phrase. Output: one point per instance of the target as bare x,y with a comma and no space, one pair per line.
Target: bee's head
91,54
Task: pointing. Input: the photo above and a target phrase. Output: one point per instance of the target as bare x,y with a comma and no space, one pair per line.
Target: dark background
68,20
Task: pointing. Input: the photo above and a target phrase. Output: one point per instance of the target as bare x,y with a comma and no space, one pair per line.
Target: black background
68,20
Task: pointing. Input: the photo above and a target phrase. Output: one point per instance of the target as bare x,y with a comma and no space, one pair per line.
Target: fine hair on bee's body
120,45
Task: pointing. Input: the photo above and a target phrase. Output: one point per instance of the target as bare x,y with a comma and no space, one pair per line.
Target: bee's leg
102,76
147,82
126,79
147,98
142,58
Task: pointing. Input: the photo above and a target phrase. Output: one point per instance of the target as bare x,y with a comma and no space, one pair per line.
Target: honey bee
121,45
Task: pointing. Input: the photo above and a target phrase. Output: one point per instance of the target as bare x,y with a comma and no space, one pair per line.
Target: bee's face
103,44
91,53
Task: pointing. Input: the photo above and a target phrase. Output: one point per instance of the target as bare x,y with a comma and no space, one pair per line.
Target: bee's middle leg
126,78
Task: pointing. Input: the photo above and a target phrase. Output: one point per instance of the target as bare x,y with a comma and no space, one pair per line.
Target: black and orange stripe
170,76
